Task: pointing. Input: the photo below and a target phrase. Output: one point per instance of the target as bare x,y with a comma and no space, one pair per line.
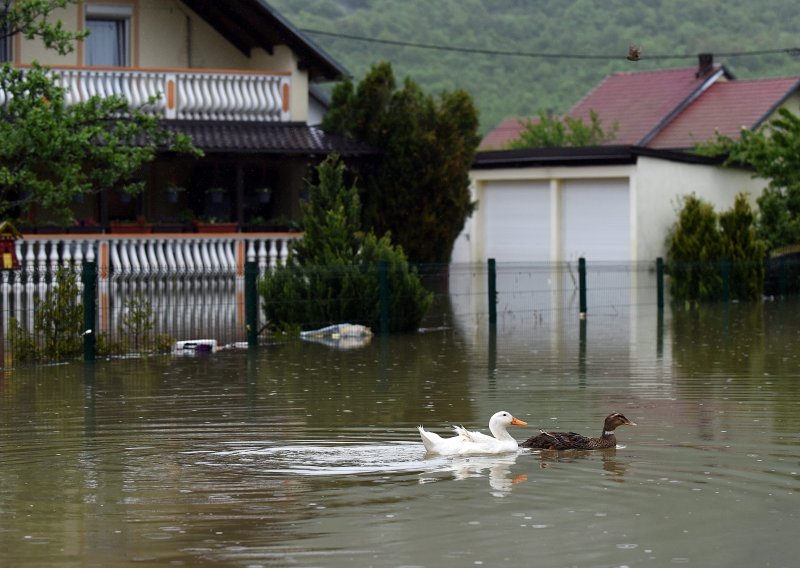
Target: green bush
332,274
58,326
57,323
711,256
743,250
136,329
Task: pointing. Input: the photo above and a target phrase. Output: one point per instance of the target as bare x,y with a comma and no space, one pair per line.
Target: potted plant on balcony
279,224
131,227
172,224
214,225
256,224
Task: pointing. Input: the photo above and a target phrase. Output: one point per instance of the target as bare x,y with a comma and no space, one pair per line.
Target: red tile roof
673,108
503,133
638,102
213,136
727,107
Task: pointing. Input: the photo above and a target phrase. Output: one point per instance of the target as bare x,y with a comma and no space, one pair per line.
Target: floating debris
195,346
340,336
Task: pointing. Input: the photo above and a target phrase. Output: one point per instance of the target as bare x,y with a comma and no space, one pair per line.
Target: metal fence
140,313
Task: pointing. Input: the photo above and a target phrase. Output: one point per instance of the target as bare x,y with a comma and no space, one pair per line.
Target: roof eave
585,156
545,157
320,65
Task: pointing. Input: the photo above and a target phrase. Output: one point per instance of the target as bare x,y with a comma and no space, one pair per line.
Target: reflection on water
615,467
496,468
304,455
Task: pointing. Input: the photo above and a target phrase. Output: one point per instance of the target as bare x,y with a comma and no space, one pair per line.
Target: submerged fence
138,311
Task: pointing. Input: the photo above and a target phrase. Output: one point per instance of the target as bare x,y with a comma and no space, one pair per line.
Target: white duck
467,443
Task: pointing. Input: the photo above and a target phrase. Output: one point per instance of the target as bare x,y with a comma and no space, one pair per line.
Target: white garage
606,203
595,219
517,220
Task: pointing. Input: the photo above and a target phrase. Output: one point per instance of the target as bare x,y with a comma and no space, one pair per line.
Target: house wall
661,184
165,34
587,211
792,104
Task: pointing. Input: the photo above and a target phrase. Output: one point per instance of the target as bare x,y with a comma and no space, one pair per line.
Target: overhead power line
542,55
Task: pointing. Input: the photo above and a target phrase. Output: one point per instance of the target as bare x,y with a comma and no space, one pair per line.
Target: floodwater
303,454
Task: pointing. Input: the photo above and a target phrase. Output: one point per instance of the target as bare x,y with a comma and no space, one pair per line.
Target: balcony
185,94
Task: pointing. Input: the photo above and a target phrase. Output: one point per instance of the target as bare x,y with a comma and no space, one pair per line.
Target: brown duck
573,441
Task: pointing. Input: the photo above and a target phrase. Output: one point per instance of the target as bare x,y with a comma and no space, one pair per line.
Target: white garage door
595,220
517,220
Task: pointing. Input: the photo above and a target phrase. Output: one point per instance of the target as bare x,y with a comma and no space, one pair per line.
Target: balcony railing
183,94
193,256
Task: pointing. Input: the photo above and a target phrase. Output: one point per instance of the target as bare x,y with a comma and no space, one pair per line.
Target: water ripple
321,460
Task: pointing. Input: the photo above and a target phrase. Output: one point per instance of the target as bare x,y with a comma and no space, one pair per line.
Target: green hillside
506,85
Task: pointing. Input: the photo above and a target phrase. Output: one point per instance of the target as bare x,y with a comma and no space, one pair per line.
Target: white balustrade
162,269
195,95
146,256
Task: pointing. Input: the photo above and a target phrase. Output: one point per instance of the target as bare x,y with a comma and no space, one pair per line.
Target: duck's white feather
468,442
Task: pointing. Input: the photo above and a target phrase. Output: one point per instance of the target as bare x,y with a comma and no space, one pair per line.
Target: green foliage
709,255
51,152
743,249
331,273
135,334
418,190
693,249
773,151
549,131
57,333
508,85
30,18
137,322
57,323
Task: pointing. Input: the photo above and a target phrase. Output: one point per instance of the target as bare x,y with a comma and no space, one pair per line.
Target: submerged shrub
57,333
57,323
710,256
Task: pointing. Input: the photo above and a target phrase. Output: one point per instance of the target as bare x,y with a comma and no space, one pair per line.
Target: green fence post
383,275
492,292
89,279
582,286
251,303
660,282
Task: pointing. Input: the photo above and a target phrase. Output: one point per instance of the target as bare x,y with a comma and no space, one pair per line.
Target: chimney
705,63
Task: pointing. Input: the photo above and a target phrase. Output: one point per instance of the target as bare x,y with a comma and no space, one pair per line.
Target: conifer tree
332,275
417,190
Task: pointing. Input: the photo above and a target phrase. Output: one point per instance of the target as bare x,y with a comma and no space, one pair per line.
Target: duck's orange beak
518,422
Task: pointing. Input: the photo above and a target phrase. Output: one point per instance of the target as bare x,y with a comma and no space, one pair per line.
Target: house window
109,40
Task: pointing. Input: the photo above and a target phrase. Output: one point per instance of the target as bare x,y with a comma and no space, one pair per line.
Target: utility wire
437,47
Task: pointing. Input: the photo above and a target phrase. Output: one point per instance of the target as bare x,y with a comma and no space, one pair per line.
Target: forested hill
507,85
